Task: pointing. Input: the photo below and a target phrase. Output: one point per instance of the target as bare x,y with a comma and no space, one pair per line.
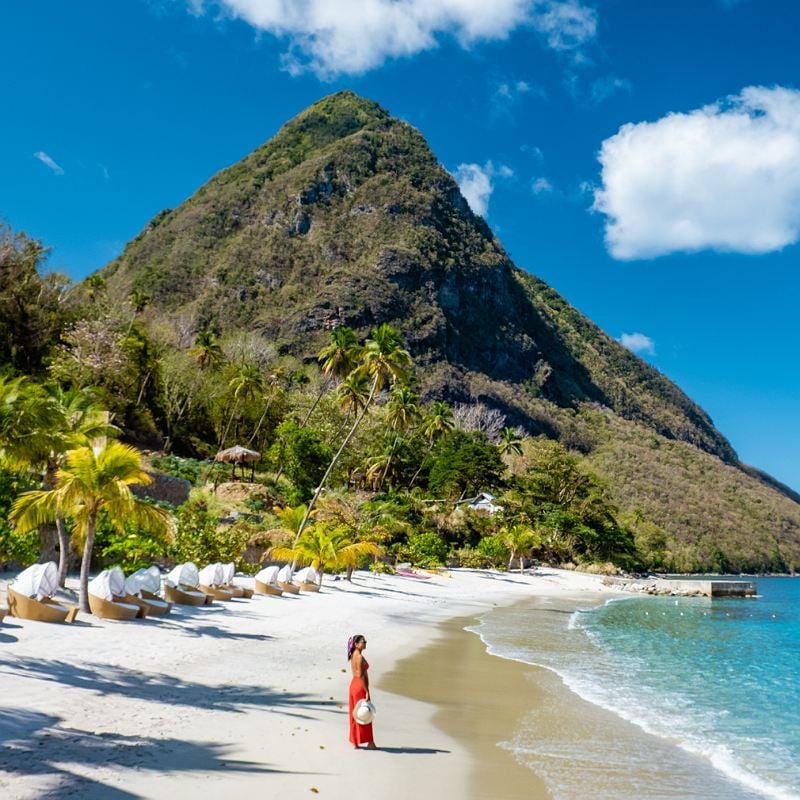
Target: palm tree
83,421
337,359
402,411
352,393
139,301
93,479
383,359
324,549
247,383
272,389
207,351
437,422
510,442
521,541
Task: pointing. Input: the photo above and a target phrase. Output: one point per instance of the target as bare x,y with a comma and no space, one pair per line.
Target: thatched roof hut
239,455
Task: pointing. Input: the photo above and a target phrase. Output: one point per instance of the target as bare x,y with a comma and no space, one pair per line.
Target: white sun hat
364,712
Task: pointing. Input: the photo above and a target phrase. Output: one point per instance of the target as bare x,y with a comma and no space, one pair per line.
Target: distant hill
346,217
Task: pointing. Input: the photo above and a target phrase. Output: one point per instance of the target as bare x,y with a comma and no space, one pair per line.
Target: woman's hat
364,712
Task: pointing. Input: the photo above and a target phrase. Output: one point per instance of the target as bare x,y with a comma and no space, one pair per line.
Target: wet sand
481,700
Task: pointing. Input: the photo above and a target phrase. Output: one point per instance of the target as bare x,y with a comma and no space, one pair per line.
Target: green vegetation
332,303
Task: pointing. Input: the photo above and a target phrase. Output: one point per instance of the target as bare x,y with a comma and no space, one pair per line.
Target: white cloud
566,25
604,87
638,343
332,37
477,183
723,177
48,162
541,186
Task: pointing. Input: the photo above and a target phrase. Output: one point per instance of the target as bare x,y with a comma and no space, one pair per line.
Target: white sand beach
243,696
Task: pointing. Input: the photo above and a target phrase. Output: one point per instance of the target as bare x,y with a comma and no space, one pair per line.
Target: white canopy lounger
141,587
103,591
285,581
211,582
228,571
30,596
307,579
182,586
267,582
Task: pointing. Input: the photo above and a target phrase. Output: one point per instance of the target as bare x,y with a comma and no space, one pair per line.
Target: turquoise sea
714,684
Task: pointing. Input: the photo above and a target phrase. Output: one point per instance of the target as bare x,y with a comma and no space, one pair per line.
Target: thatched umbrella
239,455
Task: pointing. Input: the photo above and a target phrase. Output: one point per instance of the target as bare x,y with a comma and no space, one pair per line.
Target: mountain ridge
426,262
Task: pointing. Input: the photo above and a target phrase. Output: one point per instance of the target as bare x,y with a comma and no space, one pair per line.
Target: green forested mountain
346,218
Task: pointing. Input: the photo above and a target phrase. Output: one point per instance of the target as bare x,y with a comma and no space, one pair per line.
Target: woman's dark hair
351,644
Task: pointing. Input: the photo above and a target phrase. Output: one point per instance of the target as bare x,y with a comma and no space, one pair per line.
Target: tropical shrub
424,550
200,539
493,550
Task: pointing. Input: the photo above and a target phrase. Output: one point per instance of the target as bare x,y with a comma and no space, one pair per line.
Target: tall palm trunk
228,426
86,562
260,422
333,464
419,469
63,550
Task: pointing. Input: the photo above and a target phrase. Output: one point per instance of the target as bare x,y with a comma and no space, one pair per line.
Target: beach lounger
30,596
228,571
210,582
285,581
103,593
307,579
181,597
142,586
184,582
267,582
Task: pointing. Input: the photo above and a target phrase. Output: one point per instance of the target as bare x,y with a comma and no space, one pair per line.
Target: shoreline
557,737
239,696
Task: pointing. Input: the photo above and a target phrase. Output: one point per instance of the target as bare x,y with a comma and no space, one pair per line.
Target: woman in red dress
359,690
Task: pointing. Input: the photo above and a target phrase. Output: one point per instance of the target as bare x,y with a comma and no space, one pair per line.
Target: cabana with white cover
267,582
285,581
30,596
228,571
211,582
141,587
182,586
103,591
307,579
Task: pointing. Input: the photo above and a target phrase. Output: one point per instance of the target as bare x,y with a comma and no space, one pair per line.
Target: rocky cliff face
345,217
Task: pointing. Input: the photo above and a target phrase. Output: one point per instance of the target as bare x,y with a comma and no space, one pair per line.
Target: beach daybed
211,582
142,587
267,582
182,586
307,579
103,591
228,571
285,581
30,596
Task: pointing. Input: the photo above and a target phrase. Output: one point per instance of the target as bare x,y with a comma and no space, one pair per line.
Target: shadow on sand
109,680
35,744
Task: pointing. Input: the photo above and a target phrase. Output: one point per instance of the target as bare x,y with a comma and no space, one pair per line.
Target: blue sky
643,158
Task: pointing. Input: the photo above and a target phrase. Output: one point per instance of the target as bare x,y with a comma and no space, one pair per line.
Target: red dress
359,734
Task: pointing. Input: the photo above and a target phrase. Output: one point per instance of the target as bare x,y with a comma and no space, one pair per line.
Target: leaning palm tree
324,549
384,360
92,480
